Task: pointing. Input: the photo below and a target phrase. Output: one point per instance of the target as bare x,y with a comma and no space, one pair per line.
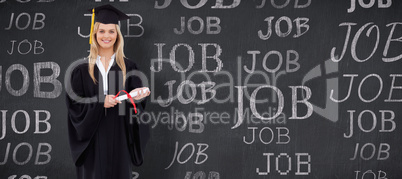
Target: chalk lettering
176,66
38,47
37,80
79,28
253,104
16,151
390,92
26,121
301,23
26,177
286,160
207,90
360,89
201,3
289,61
357,36
45,153
369,4
304,162
304,101
218,52
187,5
381,174
370,148
202,175
170,98
195,119
285,4
270,135
133,30
173,57
240,90
52,79
37,24
25,82
135,175
209,25
44,121
202,147
180,95
389,40
352,76
387,117
219,4
26,154
258,74
138,27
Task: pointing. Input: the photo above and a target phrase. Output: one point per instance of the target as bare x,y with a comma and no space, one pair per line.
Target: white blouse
104,73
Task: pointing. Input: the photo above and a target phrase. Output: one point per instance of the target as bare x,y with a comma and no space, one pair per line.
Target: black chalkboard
240,89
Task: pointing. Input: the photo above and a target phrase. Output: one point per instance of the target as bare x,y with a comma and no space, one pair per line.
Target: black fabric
104,143
107,14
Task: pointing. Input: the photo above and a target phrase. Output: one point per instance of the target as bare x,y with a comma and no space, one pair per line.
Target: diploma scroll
132,94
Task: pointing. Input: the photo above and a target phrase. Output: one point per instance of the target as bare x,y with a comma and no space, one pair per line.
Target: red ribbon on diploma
129,97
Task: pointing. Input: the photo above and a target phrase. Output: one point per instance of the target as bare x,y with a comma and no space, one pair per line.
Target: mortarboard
106,14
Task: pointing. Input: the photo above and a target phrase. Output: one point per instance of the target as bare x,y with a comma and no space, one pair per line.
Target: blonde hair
117,48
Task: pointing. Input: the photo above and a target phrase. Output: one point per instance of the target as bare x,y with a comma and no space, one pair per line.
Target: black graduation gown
103,142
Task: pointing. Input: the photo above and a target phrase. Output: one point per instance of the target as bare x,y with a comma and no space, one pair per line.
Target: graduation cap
106,14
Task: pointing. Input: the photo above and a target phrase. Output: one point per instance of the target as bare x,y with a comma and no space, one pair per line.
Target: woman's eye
112,32
101,31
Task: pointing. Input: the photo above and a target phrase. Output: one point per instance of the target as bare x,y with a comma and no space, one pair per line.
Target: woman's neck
106,53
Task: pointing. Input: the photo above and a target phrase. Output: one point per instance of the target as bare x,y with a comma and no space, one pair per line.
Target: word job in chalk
283,164
200,156
217,50
283,4
23,21
212,25
229,4
24,47
202,175
371,48
300,23
363,4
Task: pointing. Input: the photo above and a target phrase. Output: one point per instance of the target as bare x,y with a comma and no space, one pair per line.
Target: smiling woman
104,144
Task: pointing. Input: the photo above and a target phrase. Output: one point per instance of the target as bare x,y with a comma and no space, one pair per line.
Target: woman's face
106,36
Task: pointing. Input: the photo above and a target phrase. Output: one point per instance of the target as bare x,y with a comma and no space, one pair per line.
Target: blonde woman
104,143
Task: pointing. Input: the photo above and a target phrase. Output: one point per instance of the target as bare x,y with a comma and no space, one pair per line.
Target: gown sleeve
83,115
138,133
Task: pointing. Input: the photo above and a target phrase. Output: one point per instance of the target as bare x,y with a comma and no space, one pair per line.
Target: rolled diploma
132,94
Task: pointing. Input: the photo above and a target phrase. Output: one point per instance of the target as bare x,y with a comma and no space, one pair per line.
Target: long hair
117,48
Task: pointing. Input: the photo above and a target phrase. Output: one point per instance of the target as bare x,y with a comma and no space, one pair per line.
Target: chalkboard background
41,38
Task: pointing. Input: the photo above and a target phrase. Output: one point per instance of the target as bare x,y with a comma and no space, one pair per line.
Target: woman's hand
110,102
140,93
